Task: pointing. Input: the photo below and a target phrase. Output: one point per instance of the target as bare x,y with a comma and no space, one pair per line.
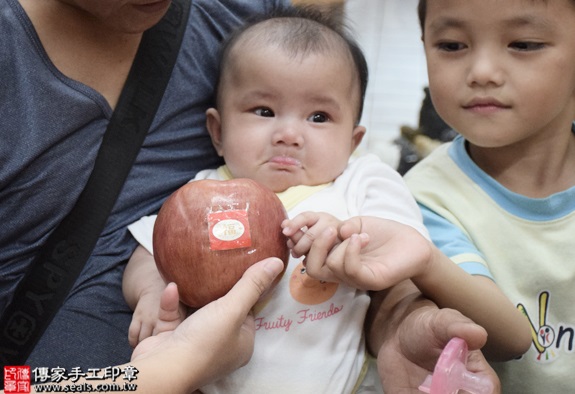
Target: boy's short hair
301,30
422,11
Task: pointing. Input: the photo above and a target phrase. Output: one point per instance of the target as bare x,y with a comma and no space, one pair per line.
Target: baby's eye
265,112
450,46
526,45
318,117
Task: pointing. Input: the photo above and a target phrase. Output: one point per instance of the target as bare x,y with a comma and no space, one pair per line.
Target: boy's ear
357,136
214,125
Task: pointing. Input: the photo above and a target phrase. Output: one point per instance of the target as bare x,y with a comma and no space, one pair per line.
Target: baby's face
287,120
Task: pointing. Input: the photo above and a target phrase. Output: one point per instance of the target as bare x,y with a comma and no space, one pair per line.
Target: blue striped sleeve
454,243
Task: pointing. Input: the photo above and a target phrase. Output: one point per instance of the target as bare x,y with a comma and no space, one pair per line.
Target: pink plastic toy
451,374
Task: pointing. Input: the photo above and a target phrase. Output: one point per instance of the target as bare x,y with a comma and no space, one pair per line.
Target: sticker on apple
229,230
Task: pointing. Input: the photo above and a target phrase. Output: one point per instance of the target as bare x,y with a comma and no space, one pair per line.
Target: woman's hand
216,339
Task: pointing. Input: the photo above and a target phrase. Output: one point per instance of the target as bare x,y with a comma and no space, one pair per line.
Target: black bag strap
44,287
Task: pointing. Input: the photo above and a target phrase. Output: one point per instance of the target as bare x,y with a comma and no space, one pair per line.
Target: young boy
500,199
289,100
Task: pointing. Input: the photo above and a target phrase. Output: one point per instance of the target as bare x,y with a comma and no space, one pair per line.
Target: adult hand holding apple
209,232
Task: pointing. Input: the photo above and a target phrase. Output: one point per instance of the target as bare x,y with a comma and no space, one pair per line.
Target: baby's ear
214,125
357,136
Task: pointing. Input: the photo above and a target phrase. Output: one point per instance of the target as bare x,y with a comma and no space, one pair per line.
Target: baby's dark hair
300,30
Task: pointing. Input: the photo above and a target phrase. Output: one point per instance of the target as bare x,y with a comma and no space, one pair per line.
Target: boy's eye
265,112
526,45
450,46
318,117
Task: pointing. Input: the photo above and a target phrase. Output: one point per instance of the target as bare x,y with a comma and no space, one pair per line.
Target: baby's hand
315,235
156,313
305,228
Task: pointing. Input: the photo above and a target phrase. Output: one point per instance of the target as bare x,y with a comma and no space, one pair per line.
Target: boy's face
502,72
286,120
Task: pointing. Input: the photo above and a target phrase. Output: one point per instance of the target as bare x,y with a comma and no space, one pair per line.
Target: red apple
209,232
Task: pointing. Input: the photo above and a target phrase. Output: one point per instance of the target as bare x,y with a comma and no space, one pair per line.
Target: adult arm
407,333
211,343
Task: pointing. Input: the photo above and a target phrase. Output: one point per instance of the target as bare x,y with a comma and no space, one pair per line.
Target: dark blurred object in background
417,143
